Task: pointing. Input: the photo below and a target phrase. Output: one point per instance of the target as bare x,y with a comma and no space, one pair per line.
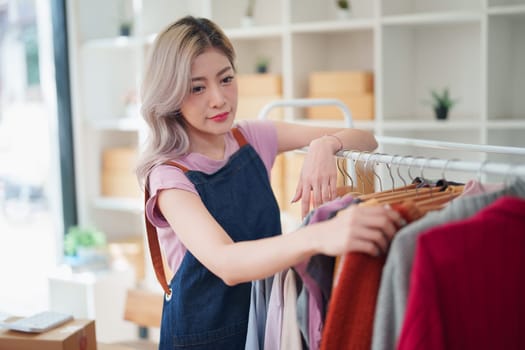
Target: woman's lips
220,117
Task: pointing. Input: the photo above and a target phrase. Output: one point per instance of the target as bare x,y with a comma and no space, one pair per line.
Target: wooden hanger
425,197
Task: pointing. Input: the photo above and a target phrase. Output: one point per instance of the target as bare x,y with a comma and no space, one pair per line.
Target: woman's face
212,102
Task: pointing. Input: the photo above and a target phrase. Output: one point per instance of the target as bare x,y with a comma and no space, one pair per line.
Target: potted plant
262,63
442,103
247,19
85,247
125,28
343,8
125,17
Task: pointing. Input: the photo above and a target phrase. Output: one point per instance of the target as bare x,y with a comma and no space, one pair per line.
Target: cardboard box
248,107
105,346
341,83
259,84
117,173
361,106
120,183
257,90
119,158
78,334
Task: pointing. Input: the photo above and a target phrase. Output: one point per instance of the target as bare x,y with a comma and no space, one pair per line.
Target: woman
211,200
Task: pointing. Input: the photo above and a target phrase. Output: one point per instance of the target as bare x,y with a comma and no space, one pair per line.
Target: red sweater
350,317
468,283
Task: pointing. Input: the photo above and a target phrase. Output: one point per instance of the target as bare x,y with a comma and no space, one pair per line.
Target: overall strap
153,240
154,249
241,140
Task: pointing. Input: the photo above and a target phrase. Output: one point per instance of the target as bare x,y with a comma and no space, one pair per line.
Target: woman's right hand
365,229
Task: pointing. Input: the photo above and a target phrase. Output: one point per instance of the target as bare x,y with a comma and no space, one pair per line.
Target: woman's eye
228,79
197,89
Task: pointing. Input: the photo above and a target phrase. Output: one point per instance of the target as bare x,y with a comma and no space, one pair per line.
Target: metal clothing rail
479,167
308,102
450,145
445,165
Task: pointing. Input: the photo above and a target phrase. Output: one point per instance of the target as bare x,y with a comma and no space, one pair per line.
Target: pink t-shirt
261,134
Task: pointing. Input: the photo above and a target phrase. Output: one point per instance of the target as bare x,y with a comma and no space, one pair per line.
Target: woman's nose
217,97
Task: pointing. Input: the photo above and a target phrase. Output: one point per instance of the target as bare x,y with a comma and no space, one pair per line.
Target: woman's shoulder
262,135
167,175
166,170
255,130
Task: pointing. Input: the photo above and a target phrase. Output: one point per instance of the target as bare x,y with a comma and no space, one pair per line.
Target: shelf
507,10
433,125
254,32
358,124
120,42
432,18
473,47
119,204
120,124
332,26
506,124
452,7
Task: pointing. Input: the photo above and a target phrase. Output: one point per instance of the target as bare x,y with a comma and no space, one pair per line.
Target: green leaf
442,99
82,237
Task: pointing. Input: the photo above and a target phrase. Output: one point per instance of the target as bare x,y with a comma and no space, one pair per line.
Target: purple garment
316,273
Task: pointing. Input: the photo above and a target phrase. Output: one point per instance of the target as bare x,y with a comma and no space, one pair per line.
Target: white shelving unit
474,47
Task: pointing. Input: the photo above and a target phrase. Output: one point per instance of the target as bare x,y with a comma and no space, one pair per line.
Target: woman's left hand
318,180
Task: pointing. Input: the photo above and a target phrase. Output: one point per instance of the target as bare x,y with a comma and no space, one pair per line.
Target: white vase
246,21
343,13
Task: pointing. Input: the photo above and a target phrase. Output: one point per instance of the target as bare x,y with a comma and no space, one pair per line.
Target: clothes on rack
395,281
259,300
312,290
349,323
290,333
273,328
317,275
466,283
367,306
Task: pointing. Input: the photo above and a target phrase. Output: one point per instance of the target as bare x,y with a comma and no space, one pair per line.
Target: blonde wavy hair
167,82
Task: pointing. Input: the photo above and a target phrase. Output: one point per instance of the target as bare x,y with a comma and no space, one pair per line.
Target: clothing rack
477,167
451,145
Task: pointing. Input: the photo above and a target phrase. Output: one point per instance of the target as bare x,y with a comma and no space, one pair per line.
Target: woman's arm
363,229
291,136
319,174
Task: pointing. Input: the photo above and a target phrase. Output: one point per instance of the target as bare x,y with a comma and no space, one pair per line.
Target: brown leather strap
153,239
239,137
181,167
154,249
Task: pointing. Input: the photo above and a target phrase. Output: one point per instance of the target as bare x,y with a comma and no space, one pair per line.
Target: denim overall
203,312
